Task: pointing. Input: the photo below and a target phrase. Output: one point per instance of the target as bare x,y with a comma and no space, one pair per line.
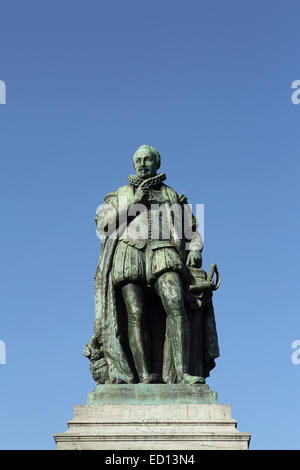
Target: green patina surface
154,316
146,394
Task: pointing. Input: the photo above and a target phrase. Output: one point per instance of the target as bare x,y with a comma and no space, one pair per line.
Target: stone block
152,417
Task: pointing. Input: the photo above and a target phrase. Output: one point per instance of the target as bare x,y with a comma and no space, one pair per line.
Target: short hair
153,152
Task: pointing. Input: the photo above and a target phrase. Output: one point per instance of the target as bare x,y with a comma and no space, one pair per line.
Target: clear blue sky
209,85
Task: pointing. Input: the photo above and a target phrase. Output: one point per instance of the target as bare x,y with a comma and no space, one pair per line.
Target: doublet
145,249
147,243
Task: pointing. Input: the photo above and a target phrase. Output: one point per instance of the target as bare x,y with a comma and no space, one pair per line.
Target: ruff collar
149,182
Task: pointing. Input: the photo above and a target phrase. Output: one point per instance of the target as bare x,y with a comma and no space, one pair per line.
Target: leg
134,300
168,287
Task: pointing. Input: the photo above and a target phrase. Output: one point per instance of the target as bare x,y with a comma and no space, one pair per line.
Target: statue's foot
118,381
156,379
152,379
144,379
192,379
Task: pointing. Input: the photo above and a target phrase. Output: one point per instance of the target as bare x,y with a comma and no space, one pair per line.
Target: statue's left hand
194,259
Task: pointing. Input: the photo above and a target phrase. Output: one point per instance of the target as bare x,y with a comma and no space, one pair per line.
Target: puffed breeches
144,266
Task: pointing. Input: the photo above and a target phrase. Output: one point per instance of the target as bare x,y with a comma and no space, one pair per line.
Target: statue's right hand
141,194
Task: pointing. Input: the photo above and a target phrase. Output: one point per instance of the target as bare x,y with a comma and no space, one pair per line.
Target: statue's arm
112,214
106,215
193,239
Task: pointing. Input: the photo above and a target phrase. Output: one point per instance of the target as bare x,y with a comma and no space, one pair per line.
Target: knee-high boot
137,347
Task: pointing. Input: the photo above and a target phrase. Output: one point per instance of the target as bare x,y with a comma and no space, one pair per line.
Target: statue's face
145,164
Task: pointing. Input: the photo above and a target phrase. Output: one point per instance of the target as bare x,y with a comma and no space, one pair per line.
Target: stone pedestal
152,417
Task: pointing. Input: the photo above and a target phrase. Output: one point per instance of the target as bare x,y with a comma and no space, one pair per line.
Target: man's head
146,161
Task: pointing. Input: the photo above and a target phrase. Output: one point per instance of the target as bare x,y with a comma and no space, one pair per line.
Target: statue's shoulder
125,191
173,195
167,188
110,198
126,187
120,191
110,195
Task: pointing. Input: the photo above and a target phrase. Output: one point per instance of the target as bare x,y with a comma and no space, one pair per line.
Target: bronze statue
154,317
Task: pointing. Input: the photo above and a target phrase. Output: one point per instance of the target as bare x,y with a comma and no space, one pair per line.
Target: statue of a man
144,315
